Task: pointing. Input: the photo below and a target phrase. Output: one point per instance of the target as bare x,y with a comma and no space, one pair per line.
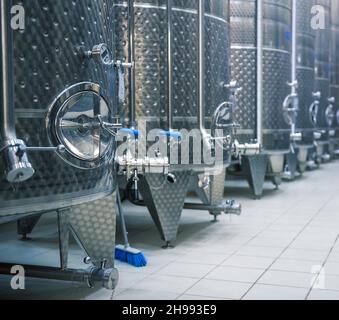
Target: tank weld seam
192,11
305,68
255,48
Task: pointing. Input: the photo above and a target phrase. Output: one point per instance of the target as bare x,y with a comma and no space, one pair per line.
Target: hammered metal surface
151,61
46,63
165,201
276,73
94,225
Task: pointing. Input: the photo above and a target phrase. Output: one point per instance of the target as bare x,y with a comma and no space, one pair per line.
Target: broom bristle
131,256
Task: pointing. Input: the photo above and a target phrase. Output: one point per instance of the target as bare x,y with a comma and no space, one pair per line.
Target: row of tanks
152,100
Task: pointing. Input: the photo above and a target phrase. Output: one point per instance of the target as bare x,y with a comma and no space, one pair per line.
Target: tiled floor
282,247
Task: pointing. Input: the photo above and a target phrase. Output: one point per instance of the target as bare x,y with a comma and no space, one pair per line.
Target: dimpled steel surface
322,68
151,61
305,69
165,201
94,225
335,61
46,63
276,69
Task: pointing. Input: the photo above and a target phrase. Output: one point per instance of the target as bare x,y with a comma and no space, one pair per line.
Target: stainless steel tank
58,97
180,81
303,99
261,65
53,86
335,73
324,112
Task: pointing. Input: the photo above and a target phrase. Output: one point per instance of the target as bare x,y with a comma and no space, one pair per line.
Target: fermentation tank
261,65
302,82
179,85
335,74
57,97
324,111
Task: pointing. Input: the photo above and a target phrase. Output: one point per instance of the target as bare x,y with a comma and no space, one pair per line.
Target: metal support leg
63,229
276,168
255,169
291,166
165,201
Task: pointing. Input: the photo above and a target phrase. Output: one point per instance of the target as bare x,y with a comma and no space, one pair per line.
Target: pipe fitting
232,207
17,167
296,137
247,148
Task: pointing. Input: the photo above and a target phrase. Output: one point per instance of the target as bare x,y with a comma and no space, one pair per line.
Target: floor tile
288,279
249,262
133,294
220,289
257,251
169,284
308,255
324,295
267,292
235,274
186,270
296,266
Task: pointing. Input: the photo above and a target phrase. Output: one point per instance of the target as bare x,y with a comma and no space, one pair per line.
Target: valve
102,54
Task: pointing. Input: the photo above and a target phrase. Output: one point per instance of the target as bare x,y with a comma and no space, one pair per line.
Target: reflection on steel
17,167
57,184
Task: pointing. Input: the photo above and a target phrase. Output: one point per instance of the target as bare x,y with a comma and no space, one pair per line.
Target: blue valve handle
132,132
172,134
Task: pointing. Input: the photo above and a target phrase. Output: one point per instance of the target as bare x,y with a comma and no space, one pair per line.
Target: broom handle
123,223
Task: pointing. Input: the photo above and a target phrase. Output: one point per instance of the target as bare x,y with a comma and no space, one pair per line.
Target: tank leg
302,159
291,166
168,245
276,162
255,169
93,225
25,226
313,161
63,230
165,201
214,193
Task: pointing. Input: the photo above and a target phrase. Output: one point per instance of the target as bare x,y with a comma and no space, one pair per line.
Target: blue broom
125,253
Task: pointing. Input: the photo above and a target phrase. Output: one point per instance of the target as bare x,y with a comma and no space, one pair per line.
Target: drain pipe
260,34
256,148
292,99
17,166
169,66
131,57
108,278
201,71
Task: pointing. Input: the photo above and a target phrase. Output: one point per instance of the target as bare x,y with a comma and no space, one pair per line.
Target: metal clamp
331,100
18,168
246,148
128,165
316,95
234,89
102,54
